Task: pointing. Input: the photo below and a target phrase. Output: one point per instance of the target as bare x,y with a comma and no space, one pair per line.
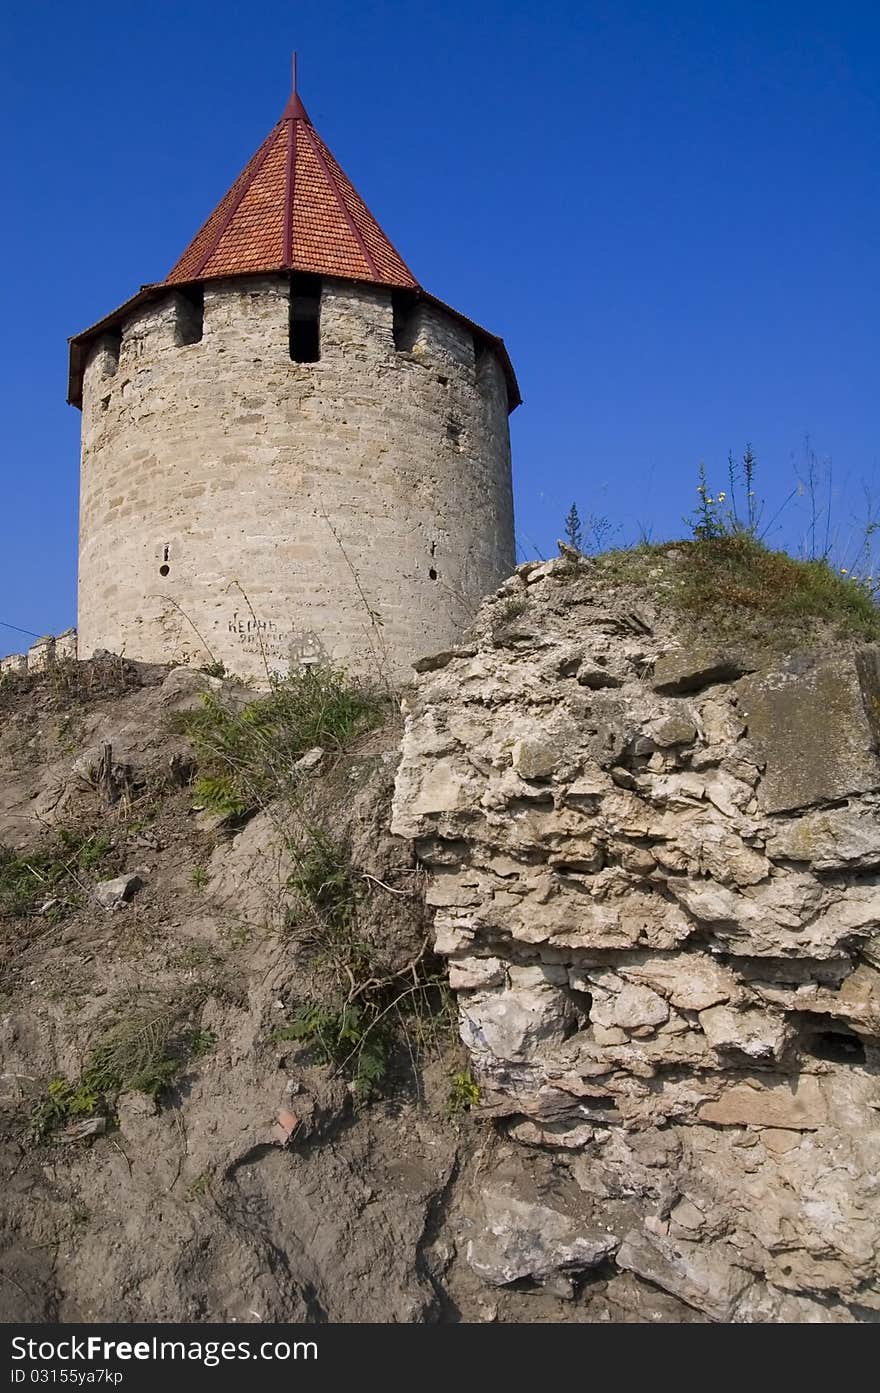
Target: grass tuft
144,1052
58,872
247,754
742,586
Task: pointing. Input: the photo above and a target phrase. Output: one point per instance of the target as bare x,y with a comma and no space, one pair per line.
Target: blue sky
669,211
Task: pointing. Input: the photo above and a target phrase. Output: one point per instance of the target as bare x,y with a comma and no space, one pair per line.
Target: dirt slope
196,1203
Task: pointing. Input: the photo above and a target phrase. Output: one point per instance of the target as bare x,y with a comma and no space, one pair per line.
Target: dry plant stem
380,659
392,1006
265,661
378,983
201,638
405,894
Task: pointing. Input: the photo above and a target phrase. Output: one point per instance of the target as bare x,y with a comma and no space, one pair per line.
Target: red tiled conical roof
292,209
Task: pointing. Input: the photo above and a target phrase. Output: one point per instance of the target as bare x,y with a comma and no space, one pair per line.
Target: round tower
290,451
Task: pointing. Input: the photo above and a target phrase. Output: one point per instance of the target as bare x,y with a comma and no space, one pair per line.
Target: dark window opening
432,573
482,352
305,318
482,362
111,344
838,1046
163,570
190,315
403,320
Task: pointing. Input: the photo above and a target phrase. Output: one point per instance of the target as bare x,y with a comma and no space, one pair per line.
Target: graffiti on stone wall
258,636
264,639
306,649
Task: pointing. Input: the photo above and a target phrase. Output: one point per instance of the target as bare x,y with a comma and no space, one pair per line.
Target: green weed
247,755
144,1052
347,1035
56,872
62,1102
374,1006
323,878
199,877
198,1188
464,1093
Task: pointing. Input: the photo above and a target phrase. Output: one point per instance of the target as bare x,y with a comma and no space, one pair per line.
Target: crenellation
104,358
151,331
355,319
65,646
440,339
256,310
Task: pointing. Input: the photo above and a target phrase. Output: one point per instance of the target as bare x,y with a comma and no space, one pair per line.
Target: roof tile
292,208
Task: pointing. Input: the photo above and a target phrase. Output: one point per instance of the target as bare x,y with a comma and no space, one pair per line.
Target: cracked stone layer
655,874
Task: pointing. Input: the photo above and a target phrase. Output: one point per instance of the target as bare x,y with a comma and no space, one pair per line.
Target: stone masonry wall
42,654
241,506
655,867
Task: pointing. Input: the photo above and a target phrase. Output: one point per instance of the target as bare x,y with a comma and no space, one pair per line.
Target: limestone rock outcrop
655,873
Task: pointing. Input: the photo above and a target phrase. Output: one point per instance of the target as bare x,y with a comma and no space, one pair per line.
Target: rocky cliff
654,865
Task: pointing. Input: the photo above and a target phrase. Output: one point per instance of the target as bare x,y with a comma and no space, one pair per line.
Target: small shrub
509,609
590,535
323,877
349,1035
574,533
246,755
69,732
89,851
67,682
373,1006
201,1042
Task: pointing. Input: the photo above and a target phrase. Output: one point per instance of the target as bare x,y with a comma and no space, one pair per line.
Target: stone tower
291,452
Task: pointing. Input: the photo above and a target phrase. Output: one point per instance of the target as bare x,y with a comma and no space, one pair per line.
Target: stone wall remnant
42,654
655,872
